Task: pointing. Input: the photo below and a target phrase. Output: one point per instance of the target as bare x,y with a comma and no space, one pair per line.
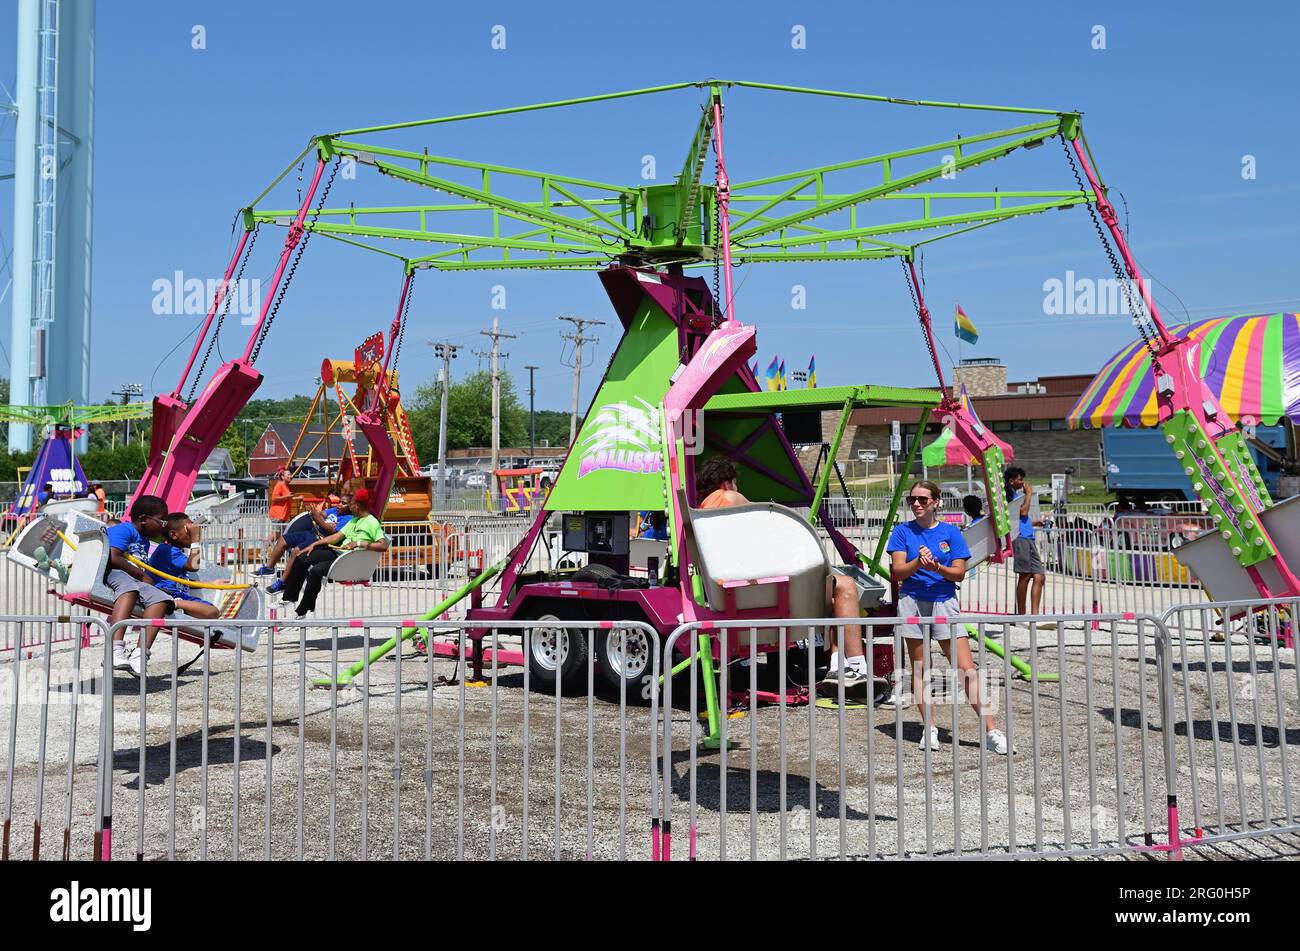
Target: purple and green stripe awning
1251,362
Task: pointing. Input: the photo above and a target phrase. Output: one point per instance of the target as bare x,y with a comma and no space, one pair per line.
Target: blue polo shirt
167,557
946,544
125,537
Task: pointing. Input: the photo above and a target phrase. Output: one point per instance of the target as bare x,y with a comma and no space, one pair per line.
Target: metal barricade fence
40,741
1117,719
240,757
1236,690
1089,777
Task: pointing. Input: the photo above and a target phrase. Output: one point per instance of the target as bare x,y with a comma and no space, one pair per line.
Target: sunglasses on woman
919,499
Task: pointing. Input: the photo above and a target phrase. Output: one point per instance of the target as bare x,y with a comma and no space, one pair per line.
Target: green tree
233,440
553,426
469,415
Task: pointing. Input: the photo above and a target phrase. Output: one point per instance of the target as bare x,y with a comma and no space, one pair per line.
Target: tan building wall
983,379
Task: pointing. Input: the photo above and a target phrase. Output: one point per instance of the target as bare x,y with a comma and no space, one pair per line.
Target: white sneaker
121,660
1046,625
996,742
139,662
932,735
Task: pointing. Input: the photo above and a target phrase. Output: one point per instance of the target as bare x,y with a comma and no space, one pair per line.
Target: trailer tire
555,650
639,666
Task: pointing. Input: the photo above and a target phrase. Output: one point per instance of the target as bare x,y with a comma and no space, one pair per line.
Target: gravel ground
337,750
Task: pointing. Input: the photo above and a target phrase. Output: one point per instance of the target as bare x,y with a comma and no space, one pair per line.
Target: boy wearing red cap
310,566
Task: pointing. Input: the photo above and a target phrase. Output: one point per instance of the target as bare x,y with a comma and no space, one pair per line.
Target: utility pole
578,338
126,392
447,352
496,335
532,412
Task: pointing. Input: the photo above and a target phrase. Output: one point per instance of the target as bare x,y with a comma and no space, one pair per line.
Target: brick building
271,451
1029,415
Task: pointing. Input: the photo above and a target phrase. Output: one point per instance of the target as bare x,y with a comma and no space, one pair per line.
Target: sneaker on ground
933,736
139,662
1046,625
996,742
121,660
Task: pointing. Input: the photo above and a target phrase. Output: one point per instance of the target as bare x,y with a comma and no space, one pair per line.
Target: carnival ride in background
403,493
679,387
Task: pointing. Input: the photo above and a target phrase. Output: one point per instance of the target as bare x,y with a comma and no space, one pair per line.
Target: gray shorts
1027,561
119,582
908,606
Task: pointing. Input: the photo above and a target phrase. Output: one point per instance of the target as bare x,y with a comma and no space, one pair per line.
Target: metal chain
225,309
916,306
288,278
401,327
1137,307
717,260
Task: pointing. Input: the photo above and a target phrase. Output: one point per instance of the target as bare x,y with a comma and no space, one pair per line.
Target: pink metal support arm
212,312
1179,385
174,468
724,197
296,231
974,437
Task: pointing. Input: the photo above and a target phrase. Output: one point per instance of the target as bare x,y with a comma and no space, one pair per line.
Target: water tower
49,349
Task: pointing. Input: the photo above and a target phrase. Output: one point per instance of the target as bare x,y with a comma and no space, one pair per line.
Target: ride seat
85,584
756,543
355,567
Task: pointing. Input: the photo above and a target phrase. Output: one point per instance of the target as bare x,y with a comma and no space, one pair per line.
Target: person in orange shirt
280,496
716,487
97,490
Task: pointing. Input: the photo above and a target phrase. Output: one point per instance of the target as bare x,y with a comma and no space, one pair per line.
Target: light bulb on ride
1236,549
1226,534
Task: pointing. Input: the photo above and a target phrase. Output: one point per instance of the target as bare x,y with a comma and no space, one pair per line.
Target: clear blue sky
1182,92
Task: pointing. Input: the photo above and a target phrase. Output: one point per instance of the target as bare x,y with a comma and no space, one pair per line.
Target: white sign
867,455
1058,487
895,437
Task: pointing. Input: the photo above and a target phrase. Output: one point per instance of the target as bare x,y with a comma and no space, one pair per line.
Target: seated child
973,506
130,583
179,556
329,517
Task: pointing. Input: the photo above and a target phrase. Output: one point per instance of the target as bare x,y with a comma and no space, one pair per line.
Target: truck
1140,467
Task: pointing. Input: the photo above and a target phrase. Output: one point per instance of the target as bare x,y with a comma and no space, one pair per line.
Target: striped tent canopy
1251,362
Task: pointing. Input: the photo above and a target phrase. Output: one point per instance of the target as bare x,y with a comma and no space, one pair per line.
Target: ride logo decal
622,437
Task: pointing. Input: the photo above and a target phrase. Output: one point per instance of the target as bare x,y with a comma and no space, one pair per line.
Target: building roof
288,434
1062,393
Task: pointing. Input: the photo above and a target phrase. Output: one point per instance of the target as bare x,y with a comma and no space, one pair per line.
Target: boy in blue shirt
929,559
1028,566
130,584
179,556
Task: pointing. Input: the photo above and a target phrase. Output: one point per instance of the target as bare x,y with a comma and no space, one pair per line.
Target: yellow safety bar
210,585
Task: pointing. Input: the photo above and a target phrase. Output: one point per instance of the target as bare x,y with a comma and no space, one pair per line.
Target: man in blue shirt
1028,566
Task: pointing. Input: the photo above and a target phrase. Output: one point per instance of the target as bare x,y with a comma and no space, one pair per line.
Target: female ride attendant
929,559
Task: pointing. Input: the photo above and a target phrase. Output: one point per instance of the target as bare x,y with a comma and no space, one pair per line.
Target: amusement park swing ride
679,388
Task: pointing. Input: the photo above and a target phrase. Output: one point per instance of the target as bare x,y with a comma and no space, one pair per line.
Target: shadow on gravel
189,755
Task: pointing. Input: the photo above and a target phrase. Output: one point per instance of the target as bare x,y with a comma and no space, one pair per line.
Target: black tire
597,573
634,666
550,641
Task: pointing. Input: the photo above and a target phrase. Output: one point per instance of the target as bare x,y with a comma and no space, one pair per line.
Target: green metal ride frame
526,218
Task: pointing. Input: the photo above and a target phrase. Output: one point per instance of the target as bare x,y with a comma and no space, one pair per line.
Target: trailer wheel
632,665
555,650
